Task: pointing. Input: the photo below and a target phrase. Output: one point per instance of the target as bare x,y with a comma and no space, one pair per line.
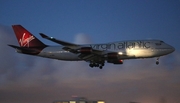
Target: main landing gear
157,61
100,65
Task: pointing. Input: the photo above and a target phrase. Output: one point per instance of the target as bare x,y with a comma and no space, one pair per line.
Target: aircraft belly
141,53
59,54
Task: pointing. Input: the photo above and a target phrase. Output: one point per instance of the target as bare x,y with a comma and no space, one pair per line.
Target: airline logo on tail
26,39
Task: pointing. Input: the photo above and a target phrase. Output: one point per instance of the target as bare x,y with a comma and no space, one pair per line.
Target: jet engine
115,61
85,50
113,58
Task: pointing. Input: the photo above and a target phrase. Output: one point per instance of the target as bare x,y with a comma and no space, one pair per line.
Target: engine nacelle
112,56
115,61
85,50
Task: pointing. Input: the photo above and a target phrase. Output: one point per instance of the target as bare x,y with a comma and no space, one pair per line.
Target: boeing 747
95,54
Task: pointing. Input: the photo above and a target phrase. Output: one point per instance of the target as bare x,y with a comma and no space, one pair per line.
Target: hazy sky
28,79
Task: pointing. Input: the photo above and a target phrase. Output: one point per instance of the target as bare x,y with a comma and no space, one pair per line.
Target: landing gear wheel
157,62
96,64
91,65
102,64
100,67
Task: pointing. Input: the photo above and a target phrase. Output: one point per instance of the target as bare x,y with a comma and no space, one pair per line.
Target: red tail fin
25,38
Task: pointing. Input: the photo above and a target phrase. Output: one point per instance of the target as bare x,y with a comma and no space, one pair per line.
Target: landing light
120,53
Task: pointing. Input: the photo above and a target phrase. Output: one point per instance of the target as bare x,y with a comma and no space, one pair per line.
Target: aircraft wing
75,48
67,46
57,41
85,53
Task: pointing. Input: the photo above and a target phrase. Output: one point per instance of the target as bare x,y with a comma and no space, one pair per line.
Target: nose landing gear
157,61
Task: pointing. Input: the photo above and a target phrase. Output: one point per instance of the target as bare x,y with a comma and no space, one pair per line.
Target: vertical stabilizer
25,38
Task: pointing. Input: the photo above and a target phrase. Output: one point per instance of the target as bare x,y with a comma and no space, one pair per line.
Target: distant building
79,100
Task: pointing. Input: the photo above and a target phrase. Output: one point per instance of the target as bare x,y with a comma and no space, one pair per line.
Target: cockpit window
159,43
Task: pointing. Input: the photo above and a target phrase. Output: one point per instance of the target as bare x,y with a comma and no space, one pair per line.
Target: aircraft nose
173,49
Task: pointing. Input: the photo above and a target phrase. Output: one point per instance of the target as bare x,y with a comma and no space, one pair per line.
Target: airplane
96,54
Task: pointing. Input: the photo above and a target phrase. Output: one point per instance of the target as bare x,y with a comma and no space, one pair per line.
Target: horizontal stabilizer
13,46
27,50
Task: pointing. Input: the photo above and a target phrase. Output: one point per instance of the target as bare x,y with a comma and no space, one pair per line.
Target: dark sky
29,79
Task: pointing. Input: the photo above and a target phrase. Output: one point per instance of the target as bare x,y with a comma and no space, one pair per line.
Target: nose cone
172,49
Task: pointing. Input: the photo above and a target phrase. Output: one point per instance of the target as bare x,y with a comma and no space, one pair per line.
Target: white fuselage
95,54
125,49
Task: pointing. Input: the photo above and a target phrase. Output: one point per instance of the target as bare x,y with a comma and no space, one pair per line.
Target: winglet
43,35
